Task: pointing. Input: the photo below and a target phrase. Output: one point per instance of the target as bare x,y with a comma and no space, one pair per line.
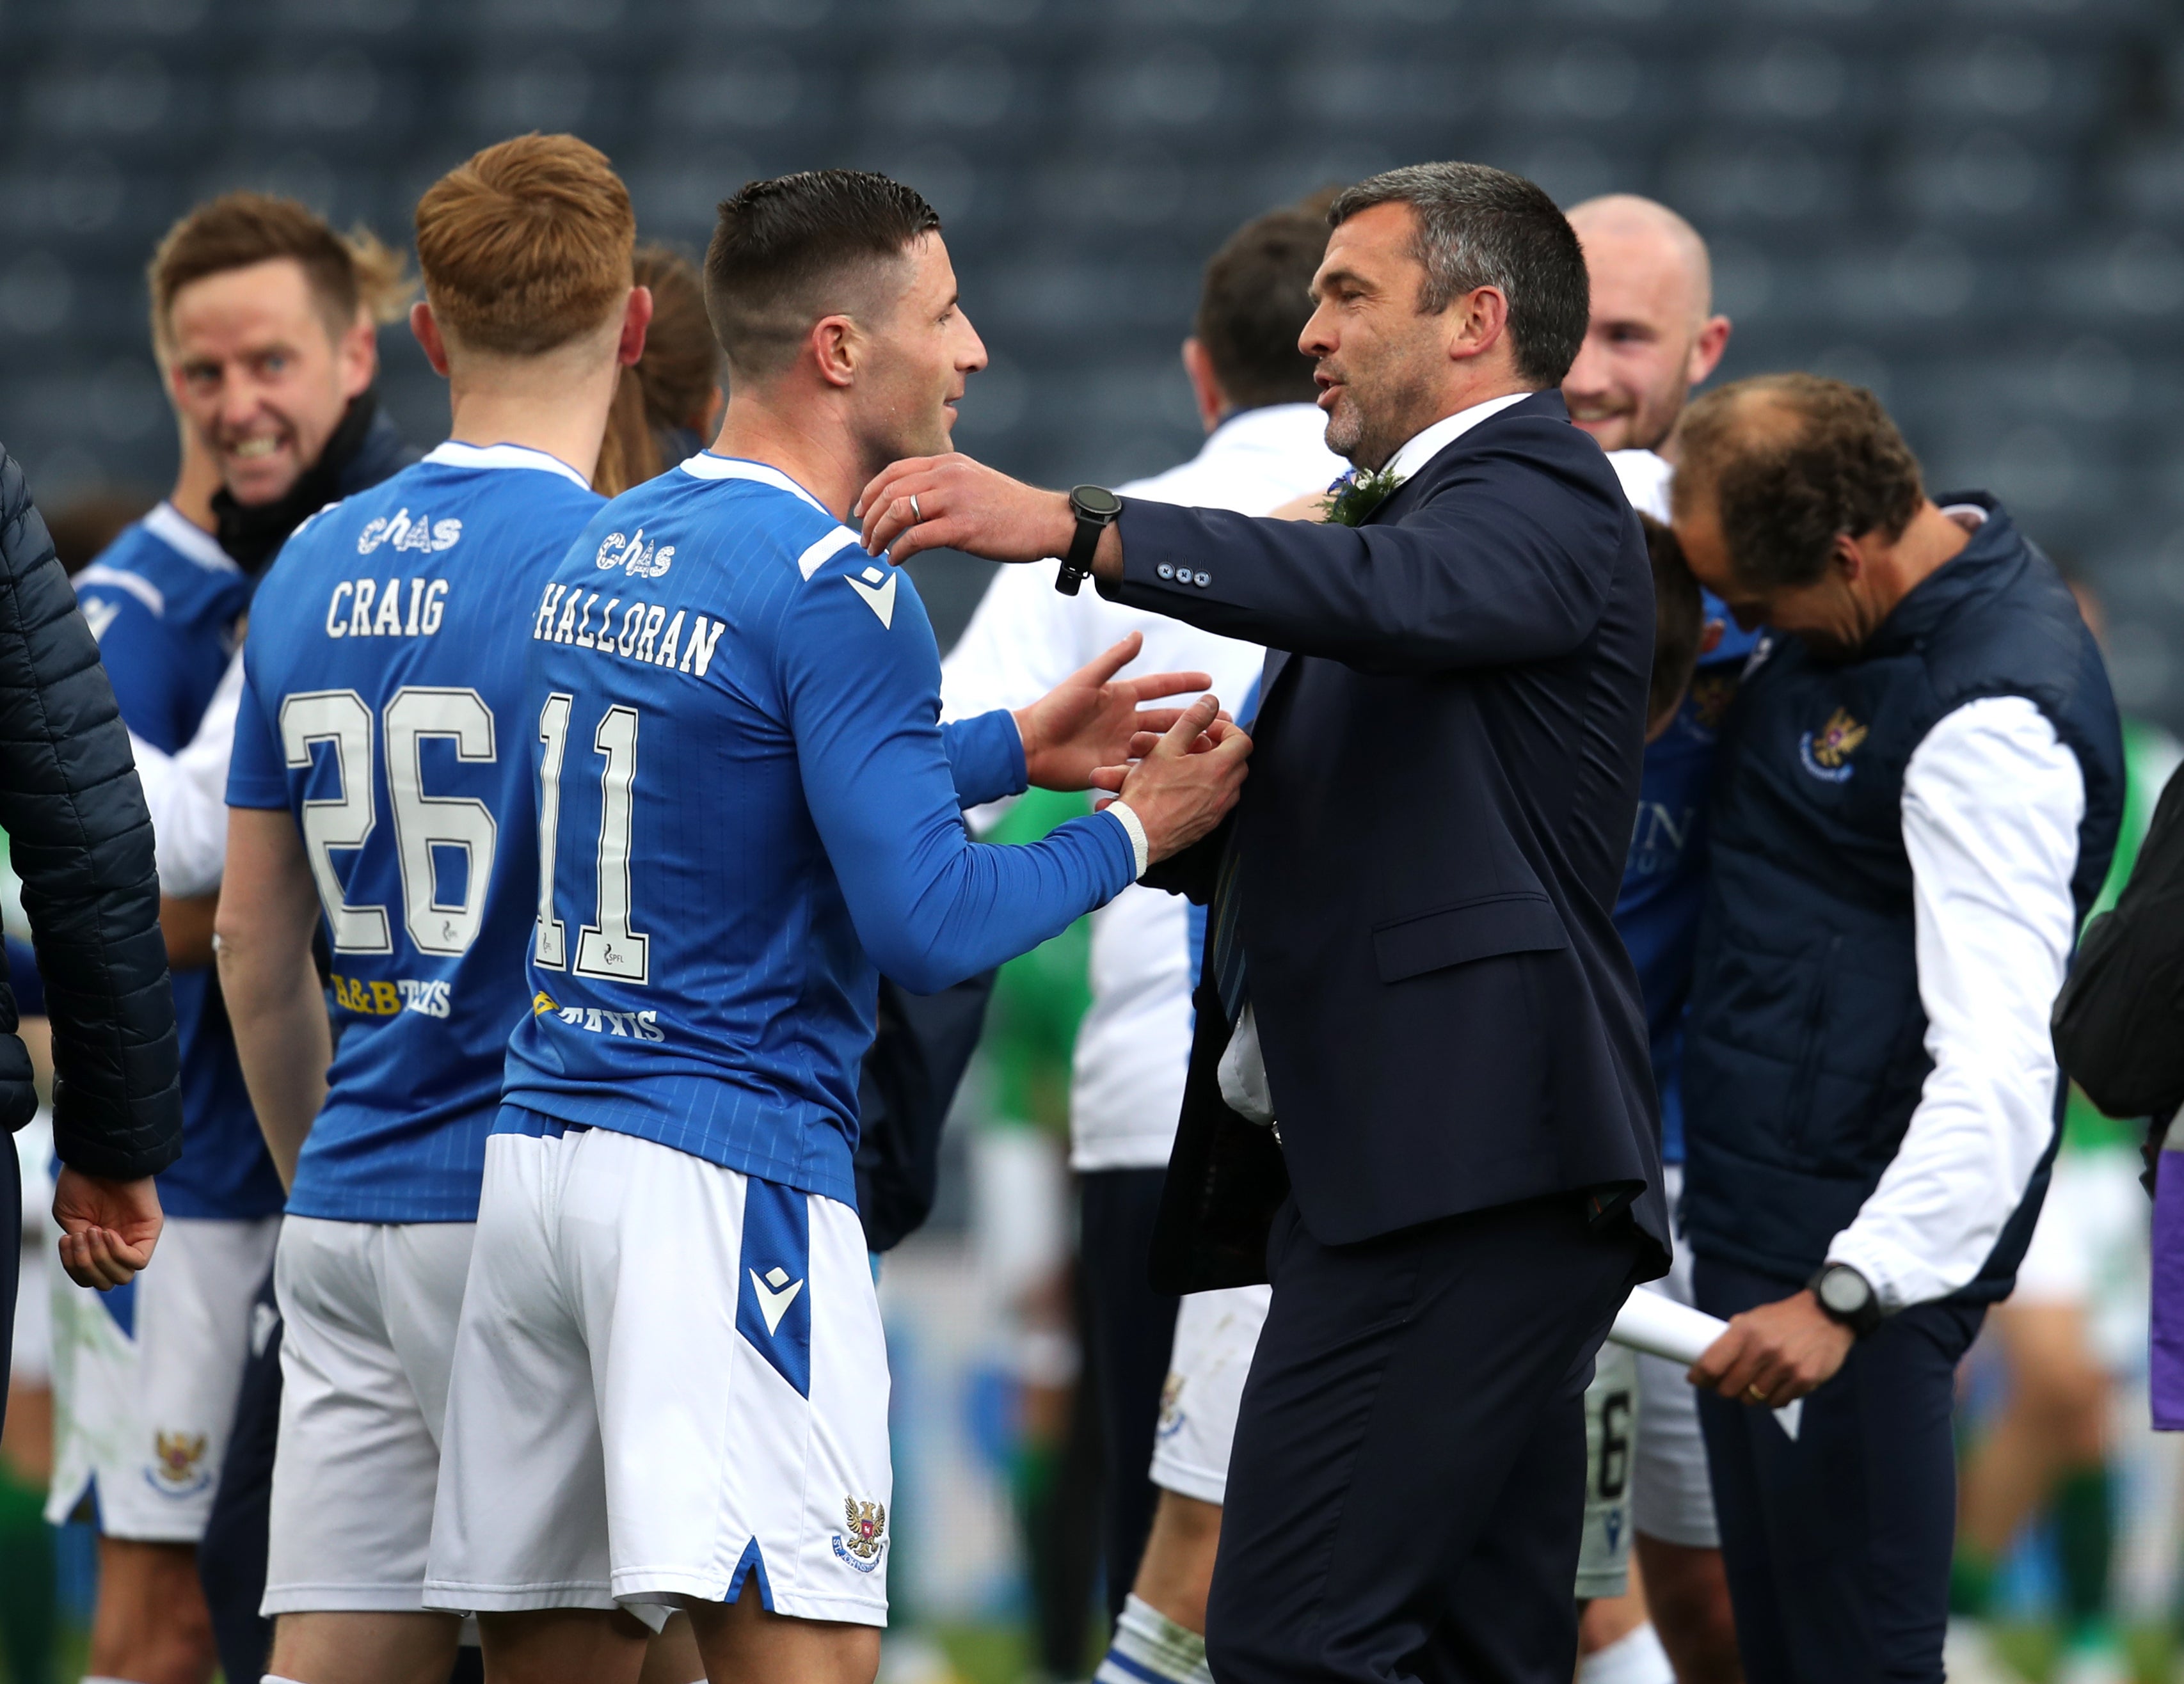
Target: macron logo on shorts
774,1314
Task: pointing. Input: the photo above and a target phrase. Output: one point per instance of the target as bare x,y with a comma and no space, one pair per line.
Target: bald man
1653,336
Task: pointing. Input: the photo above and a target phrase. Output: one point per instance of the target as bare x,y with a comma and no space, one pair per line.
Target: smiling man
1418,1092
262,318
1919,791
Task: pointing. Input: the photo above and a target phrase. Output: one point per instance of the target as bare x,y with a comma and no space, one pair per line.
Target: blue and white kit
146,1377
384,706
748,807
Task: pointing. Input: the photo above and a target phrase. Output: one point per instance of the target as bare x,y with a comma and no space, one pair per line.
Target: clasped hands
1179,768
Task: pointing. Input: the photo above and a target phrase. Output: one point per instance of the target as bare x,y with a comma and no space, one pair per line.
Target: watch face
1844,1291
1096,501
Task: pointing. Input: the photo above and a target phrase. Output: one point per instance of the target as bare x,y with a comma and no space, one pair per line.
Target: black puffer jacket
81,838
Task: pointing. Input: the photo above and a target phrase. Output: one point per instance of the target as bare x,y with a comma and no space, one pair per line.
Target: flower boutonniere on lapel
1355,496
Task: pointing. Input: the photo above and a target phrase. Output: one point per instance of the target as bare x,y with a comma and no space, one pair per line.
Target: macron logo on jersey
774,1295
876,588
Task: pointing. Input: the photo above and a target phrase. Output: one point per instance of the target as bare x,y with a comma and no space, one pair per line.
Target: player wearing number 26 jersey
384,738
385,706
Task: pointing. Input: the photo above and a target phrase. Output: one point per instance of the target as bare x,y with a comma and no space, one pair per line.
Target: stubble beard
1370,433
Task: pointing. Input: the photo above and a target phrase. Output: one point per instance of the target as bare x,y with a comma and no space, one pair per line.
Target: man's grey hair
1477,227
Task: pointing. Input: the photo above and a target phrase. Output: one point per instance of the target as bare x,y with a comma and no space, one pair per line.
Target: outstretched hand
1184,781
961,504
1089,719
107,1228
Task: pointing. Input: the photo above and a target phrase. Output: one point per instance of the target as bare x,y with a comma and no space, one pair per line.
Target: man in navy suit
1419,1100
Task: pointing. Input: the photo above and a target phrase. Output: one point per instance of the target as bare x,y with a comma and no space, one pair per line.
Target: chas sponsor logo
398,531
635,557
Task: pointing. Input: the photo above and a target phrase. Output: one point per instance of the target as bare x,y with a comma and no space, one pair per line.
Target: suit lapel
1398,503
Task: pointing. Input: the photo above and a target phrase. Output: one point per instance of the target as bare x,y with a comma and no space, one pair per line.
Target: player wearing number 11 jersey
671,1385
382,784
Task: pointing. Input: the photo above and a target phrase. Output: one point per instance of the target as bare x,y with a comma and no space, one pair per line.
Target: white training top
1134,1045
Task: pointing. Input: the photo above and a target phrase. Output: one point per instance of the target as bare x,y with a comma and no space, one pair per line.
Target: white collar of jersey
704,465
172,528
453,454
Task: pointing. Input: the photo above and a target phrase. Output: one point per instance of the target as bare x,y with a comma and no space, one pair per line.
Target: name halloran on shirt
631,628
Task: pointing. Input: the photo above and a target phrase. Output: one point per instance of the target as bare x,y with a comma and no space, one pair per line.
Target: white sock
1635,1658
1151,1648
89,1679
269,1678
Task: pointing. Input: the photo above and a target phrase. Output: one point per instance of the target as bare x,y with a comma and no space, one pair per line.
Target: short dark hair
1678,620
791,250
1484,227
347,273
1794,461
1254,304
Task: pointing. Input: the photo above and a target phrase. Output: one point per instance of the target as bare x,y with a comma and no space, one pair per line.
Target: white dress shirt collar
1425,446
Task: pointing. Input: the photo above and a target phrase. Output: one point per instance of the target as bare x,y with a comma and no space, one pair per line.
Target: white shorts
369,1312
667,1374
145,1379
1215,1334
1604,1556
1671,1494
2089,1250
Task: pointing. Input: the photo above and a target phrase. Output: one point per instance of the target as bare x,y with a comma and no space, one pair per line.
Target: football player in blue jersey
380,786
670,1385
262,321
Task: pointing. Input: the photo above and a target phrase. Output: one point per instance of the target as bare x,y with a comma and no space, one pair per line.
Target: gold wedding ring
1753,1392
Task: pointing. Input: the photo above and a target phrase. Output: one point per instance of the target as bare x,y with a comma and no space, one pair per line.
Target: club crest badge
1825,753
178,1464
863,1539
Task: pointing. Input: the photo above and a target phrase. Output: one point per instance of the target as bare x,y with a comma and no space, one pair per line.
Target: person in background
80,841
669,402
1653,337
1917,796
264,320
2059,1341
1166,1384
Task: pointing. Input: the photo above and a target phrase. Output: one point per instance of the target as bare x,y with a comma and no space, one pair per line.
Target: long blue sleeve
931,906
985,757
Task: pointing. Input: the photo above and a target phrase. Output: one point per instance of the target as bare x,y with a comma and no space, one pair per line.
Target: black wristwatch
1096,509
1848,1297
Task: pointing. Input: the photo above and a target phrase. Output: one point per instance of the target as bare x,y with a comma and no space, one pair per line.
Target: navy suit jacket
1441,795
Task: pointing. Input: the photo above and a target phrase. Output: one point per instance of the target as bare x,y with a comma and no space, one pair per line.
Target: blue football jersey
746,802
384,705
167,603
1656,909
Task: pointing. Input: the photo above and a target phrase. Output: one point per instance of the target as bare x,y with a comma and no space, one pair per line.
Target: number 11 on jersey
608,948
